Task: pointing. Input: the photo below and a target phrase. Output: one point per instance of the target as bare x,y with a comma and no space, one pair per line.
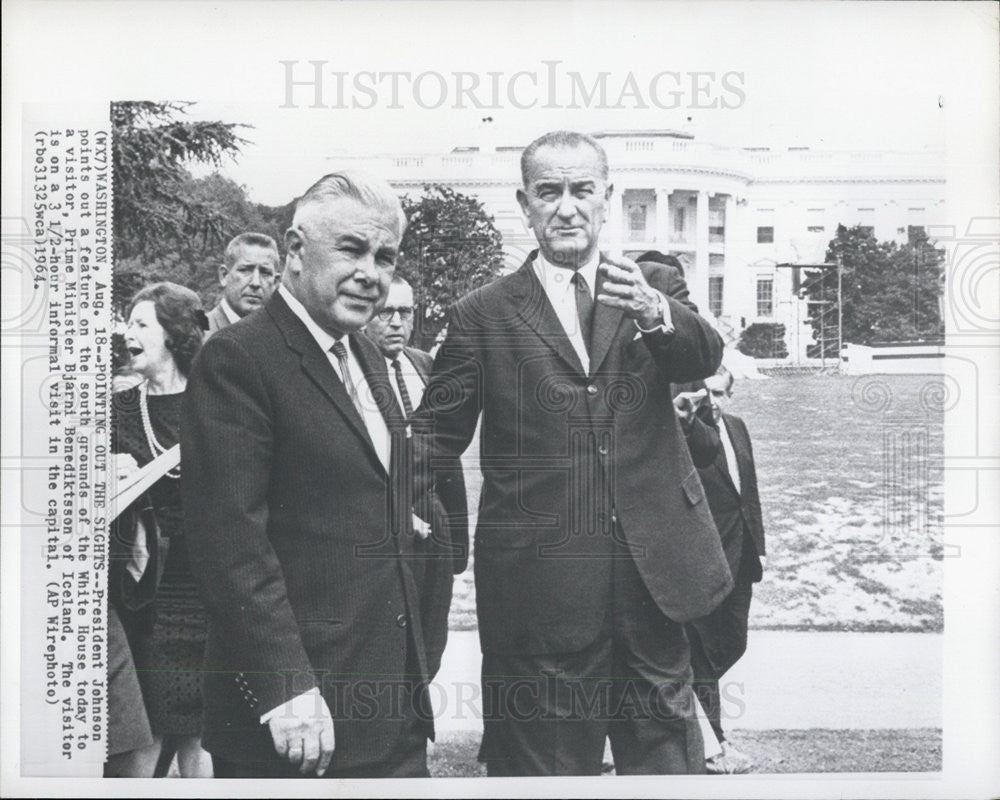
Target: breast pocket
694,492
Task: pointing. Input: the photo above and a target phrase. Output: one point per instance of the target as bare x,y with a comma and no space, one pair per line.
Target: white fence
896,358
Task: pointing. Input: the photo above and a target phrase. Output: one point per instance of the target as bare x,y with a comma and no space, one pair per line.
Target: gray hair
564,139
366,189
249,239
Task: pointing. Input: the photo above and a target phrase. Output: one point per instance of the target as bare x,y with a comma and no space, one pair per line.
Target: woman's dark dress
168,640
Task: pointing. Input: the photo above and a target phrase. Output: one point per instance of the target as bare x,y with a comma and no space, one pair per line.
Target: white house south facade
730,215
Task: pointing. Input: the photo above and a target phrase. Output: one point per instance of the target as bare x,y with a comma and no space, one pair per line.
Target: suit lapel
376,373
418,364
533,307
607,320
318,368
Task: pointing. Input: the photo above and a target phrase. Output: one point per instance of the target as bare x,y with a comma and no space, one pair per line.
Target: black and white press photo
588,392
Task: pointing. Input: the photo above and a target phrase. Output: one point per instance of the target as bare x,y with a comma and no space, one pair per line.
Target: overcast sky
828,76
836,75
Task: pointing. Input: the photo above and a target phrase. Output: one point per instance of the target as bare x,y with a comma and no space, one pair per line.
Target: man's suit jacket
446,552
300,552
450,485
217,319
570,460
737,515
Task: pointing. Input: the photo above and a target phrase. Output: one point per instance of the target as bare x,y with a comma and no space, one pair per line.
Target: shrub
763,340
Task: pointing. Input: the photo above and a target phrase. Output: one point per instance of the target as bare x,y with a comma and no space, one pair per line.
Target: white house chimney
487,138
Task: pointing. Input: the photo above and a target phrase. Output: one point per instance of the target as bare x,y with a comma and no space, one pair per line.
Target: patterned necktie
340,351
584,307
403,393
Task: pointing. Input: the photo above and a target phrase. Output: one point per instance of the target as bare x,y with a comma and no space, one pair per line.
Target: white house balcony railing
660,153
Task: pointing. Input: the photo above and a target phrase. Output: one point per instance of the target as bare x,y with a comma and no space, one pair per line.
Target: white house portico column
730,251
662,234
614,238
698,282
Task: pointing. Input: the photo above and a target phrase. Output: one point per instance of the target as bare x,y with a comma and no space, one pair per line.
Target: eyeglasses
405,313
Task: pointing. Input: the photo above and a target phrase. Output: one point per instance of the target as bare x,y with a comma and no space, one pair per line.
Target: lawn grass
850,476
773,752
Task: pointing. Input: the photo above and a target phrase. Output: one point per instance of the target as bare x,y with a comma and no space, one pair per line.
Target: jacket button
591,389
401,620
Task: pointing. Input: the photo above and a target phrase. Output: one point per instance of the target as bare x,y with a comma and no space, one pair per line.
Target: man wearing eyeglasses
391,329
446,550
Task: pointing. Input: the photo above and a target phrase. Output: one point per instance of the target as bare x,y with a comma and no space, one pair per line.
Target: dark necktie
584,307
340,351
403,393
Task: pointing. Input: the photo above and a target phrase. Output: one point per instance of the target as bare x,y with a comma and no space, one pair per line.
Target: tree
451,246
155,212
890,292
194,261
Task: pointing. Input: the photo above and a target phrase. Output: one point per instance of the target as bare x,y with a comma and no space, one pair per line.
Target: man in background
446,550
726,467
248,275
663,258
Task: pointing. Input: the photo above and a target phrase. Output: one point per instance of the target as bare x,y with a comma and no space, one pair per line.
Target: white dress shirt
558,285
378,431
731,462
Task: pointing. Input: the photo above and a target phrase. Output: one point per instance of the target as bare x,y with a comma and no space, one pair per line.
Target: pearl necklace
154,445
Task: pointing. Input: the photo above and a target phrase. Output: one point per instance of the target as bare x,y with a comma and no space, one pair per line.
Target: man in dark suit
315,661
663,258
446,550
720,445
594,542
248,275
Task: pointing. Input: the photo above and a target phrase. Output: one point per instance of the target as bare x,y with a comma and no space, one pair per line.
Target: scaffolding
828,306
